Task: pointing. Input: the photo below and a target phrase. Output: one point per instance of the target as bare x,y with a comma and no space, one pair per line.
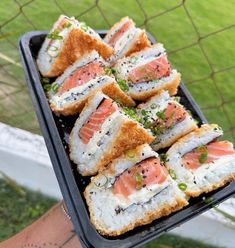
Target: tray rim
51,133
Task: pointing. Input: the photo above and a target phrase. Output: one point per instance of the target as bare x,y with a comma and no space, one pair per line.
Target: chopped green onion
204,154
171,126
161,115
133,59
156,130
132,113
129,111
172,174
45,80
156,141
138,179
172,115
182,186
67,25
203,157
202,148
122,84
118,101
142,69
147,124
163,157
55,35
54,87
53,48
108,71
83,26
102,184
143,112
130,153
47,87
177,98
207,199
153,106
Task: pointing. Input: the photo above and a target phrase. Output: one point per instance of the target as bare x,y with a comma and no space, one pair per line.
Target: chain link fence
199,37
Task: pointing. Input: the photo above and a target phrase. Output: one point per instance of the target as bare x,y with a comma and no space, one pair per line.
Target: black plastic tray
56,130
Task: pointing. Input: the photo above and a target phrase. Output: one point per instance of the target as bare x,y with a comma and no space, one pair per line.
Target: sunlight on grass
172,27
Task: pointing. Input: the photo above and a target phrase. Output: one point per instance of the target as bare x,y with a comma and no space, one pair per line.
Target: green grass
19,208
173,241
168,21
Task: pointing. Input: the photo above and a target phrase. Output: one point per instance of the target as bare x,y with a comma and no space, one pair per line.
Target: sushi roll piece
167,119
200,162
147,73
67,41
134,190
88,74
125,39
101,133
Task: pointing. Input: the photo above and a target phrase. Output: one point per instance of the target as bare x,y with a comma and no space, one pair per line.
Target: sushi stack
123,91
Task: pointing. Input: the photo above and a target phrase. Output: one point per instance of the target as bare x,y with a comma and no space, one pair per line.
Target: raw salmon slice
147,172
119,33
154,69
172,115
96,119
207,154
82,76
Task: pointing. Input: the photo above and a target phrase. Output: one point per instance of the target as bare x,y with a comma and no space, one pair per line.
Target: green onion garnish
143,112
47,87
177,98
207,199
172,174
102,184
83,26
132,113
147,124
203,157
161,115
171,126
138,179
108,71
122,84
182,186
55,35
204,154
53,48
130,153
54,87
153,106
45,80
201,148
133,59
118,101
67,25
163,157
172,115
156,130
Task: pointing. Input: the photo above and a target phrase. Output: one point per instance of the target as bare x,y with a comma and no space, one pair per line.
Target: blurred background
198,35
